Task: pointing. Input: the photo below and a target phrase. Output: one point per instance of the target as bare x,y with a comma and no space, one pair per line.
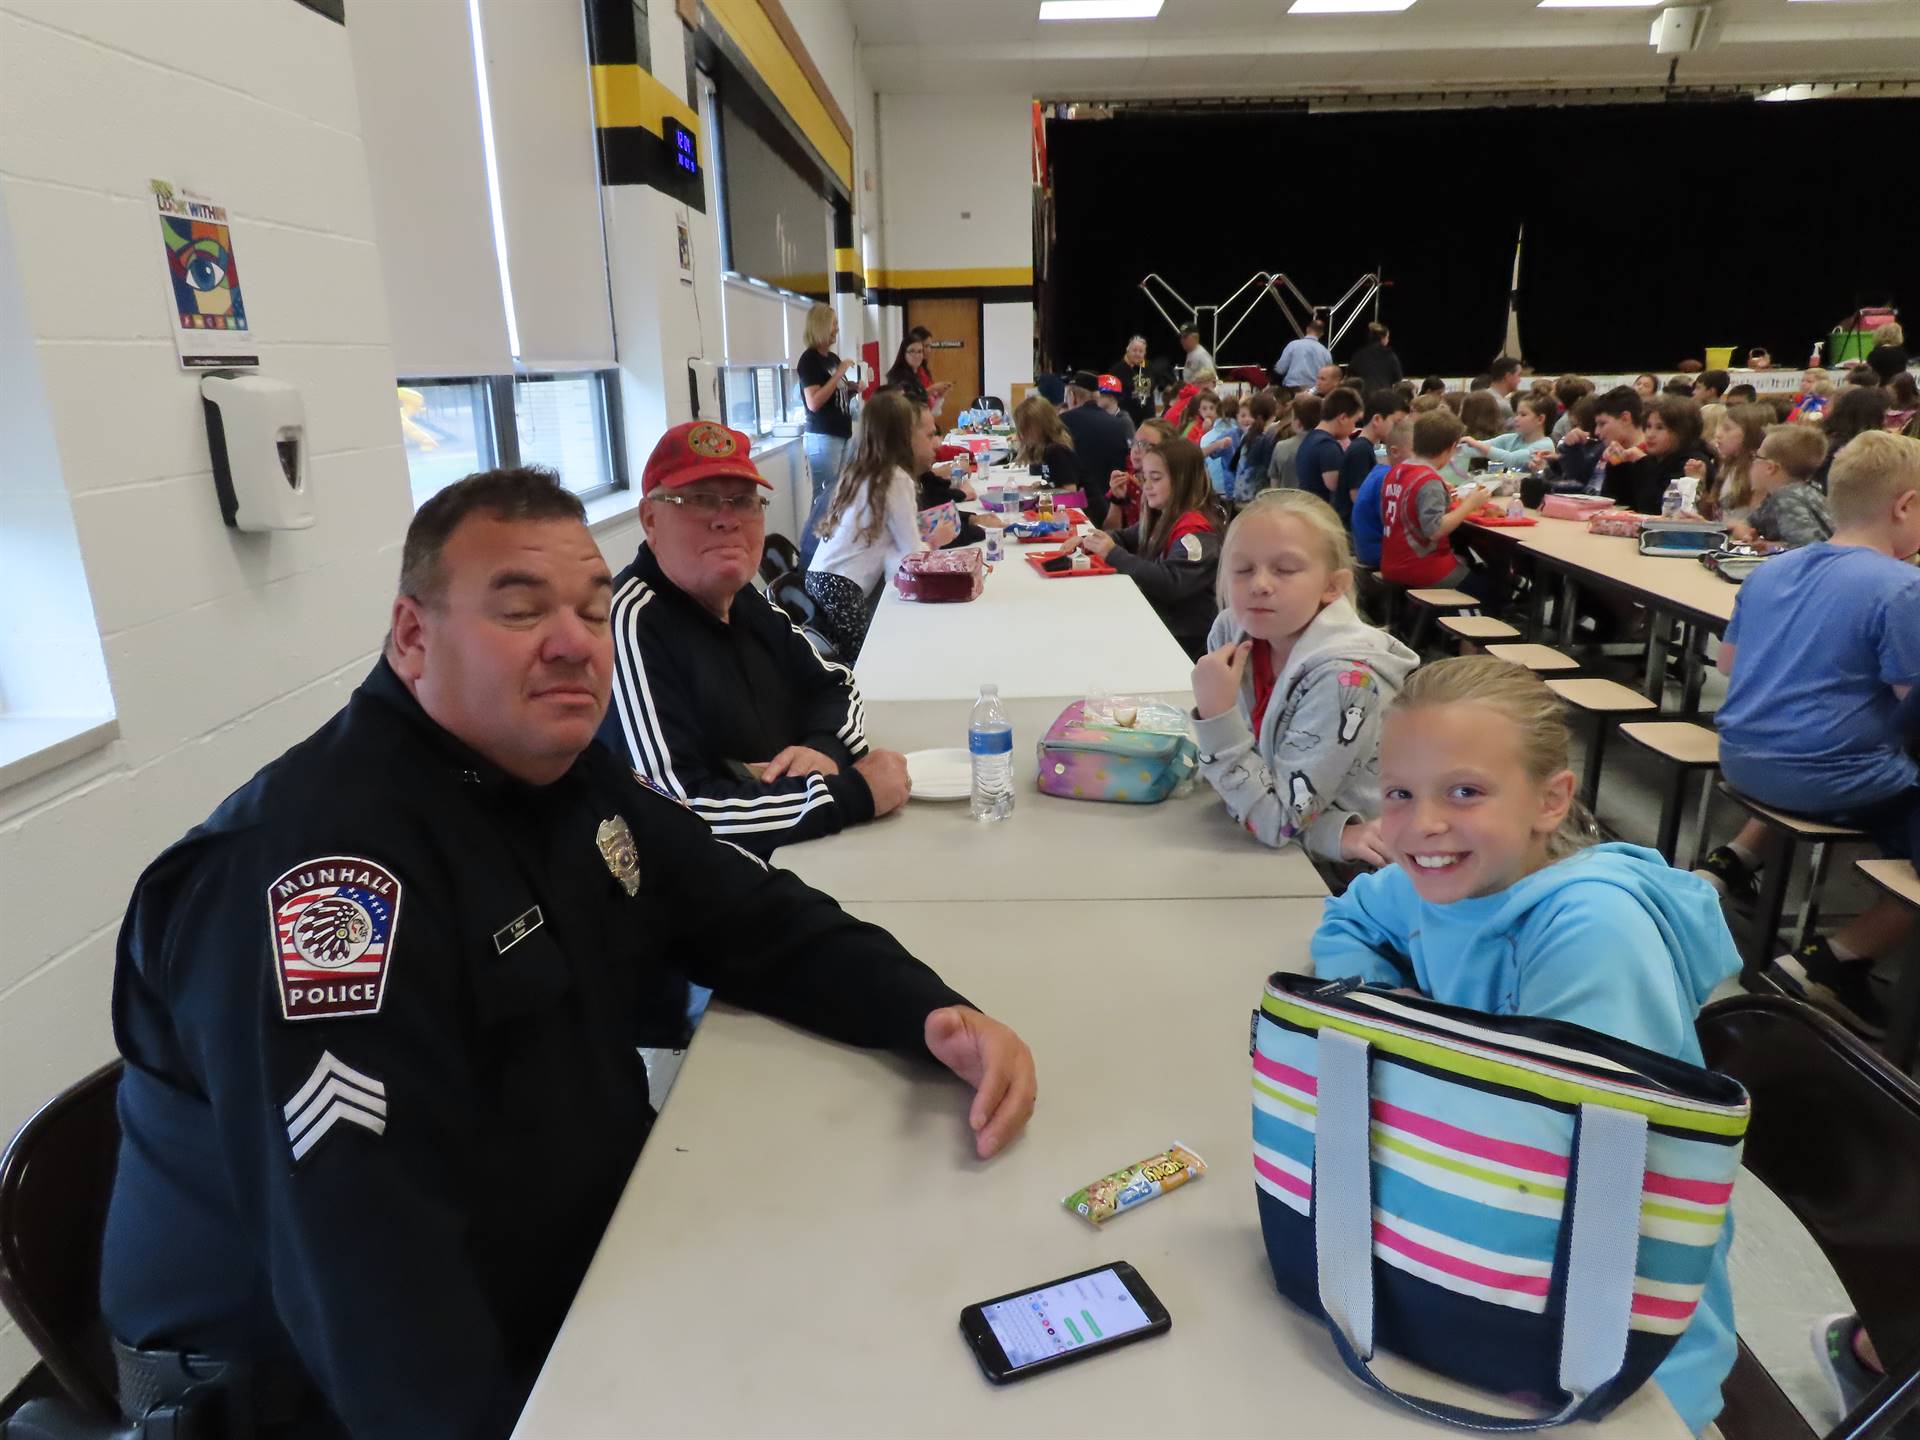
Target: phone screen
1058,1318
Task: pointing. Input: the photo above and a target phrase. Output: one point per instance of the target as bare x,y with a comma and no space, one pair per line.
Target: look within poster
210,326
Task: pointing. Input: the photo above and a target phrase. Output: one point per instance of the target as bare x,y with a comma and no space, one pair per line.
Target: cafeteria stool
1541,659
1685,747
1764,934
1473,631
1600,699
1425,604
1375,597
1898,879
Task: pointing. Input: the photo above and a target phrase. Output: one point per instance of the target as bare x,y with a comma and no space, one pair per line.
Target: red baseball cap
1110,385
699,450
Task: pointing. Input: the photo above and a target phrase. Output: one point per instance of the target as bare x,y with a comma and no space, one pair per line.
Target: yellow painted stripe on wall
847,261
952,279
747,26
626,95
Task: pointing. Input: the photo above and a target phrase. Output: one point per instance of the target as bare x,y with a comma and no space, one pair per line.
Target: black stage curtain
1652,231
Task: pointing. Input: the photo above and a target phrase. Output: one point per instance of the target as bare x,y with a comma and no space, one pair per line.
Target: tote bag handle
1610,1161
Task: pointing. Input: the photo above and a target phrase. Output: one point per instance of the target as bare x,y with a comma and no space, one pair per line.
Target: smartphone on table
1047,1326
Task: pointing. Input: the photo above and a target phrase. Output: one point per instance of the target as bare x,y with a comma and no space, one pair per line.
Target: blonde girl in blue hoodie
1496,900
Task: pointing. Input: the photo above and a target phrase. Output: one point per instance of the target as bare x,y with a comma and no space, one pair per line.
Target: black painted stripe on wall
634,155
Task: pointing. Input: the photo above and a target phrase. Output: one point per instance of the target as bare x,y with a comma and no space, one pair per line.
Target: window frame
501,432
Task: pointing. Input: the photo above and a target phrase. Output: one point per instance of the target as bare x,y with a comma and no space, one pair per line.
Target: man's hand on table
885,772
996,1062
796,760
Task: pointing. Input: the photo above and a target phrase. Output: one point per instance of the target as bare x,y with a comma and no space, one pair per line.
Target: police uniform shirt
380,1016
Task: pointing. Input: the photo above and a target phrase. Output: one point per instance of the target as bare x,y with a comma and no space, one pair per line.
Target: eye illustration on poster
209,311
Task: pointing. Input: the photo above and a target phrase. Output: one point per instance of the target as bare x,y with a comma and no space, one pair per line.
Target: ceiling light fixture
1099,9
1598,4
1347,7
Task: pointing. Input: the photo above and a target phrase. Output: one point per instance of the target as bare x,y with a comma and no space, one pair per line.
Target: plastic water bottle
1671,502
990,741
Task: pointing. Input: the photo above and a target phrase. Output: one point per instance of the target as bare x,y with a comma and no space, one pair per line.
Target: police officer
381,1011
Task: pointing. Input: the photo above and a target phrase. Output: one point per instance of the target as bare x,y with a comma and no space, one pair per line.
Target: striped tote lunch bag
1524,1205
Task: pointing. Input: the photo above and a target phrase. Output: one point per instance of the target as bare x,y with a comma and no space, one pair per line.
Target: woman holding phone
824,389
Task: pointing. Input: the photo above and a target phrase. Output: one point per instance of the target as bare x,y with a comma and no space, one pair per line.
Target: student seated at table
871,524
1579,448
1366,448
1097,435
1220,446
1823,646
1298,423
1855,411
1498,900
1259,433
1123,486
1483,419
1419,511
1621,470
1670,444
1198,416
1366,501
1287,699
1173,551
1526,446
1728,493
1041,438
1816,391
1323,449
1787,510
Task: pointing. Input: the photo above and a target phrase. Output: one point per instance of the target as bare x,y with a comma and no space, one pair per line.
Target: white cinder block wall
222,648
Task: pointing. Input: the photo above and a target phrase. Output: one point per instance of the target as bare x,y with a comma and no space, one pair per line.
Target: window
565,423
448,429
762,400
568,423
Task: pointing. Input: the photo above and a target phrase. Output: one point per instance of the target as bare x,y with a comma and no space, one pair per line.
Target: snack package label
1138,1183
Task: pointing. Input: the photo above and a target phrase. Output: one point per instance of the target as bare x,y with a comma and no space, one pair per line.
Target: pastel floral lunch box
1116,751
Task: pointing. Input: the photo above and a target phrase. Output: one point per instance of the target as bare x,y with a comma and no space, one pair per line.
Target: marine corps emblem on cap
711,440
617,849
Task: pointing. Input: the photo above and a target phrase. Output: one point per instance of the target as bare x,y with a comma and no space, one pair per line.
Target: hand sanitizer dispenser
257,431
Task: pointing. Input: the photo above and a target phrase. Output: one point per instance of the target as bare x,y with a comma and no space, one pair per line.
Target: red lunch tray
1505,522
1098,567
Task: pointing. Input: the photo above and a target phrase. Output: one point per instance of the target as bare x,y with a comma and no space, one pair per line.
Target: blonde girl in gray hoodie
1288,697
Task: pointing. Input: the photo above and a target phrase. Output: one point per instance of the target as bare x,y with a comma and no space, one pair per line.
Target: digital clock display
686,151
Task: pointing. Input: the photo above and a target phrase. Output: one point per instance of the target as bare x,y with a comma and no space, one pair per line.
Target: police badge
617,849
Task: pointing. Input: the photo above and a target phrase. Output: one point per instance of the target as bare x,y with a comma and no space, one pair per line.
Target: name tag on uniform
517,929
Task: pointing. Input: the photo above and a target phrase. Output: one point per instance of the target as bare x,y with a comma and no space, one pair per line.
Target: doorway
955,352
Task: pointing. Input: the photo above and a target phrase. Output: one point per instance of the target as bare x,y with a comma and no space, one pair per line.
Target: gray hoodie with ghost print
1315,764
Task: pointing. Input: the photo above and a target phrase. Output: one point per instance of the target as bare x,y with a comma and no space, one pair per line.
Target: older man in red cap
718,700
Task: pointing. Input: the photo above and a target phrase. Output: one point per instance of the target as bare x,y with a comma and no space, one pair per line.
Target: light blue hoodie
1612,938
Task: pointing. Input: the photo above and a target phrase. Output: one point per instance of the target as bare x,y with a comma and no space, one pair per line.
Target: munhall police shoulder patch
333,920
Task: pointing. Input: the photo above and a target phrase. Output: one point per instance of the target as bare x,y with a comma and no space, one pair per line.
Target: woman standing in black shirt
823,386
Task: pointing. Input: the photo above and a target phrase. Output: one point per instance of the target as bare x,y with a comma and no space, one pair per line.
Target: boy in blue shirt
1823,647
1321,454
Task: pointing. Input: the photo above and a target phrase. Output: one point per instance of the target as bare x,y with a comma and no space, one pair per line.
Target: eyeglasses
747,507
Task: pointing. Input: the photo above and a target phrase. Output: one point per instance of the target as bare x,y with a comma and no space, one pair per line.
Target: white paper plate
940,774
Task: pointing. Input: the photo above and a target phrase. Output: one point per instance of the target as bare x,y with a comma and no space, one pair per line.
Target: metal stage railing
1340,316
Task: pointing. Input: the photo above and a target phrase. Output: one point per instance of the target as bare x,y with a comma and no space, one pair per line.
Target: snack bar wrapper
1140,1182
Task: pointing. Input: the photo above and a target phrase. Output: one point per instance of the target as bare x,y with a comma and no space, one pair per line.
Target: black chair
988,402
55,1180
789,592
777,557
1836,1135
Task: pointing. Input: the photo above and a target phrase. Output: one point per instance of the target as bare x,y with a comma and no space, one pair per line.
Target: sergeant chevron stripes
334,1092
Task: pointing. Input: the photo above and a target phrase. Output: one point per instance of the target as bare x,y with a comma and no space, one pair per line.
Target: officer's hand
797,760
885,772
996,1062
